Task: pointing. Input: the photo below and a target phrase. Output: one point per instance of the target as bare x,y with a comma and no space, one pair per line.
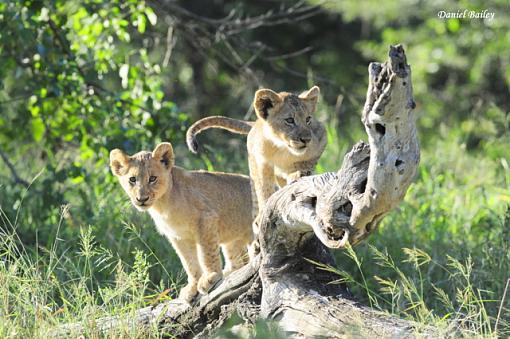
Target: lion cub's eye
289,121
132,180
152,179
308,120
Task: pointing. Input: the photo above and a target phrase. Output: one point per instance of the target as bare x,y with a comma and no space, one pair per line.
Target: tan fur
279,150
197,211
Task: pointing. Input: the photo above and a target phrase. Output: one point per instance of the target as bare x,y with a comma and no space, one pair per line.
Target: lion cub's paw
207,280
188,292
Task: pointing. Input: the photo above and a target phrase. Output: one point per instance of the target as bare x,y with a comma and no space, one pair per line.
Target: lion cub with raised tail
197,211
284,143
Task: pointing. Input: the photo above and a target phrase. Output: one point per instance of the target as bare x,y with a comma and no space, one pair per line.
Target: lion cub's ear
164,153
310,98
266,99
118,162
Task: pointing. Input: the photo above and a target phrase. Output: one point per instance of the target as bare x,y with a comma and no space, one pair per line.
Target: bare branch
171,40
290,55
16,178
211,34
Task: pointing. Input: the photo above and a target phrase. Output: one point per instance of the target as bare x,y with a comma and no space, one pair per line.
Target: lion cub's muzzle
142,203
300,143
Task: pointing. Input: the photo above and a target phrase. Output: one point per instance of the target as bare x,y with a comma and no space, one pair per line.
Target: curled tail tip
191,141
193,146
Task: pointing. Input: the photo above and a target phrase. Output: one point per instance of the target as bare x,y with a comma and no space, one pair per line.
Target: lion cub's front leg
301,169
209,253
264,185
187,252
295,176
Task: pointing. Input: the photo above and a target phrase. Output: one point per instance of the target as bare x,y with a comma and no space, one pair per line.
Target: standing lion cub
284,143
197,211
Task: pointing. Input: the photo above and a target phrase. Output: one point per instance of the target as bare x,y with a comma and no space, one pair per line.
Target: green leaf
44,15
153,19
34,110
38,129
123,73
78,180
140,21
453,25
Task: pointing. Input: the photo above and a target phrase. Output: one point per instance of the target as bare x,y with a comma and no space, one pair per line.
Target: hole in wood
346,209
313,201
363,186
398,162
336,234
368,227
380,129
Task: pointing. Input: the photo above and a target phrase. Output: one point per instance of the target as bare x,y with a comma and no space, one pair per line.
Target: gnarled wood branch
302,220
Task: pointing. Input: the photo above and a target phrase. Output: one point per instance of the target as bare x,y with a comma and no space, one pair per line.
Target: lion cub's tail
232,125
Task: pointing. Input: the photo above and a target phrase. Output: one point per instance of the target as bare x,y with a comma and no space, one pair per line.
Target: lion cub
197,211
284,143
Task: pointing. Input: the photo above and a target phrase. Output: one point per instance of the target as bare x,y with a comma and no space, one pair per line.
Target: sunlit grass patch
407,290
441,257
43,288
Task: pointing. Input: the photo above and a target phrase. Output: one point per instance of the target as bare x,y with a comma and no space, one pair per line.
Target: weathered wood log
302,221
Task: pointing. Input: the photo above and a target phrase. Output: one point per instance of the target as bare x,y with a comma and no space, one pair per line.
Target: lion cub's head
145,176
289,117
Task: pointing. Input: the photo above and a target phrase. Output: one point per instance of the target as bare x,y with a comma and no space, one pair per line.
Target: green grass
441,258
43,287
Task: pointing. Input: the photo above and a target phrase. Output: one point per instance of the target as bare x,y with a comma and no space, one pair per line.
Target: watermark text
466,14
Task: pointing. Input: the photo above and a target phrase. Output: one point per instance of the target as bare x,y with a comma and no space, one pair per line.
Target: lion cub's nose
142,200
305,140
